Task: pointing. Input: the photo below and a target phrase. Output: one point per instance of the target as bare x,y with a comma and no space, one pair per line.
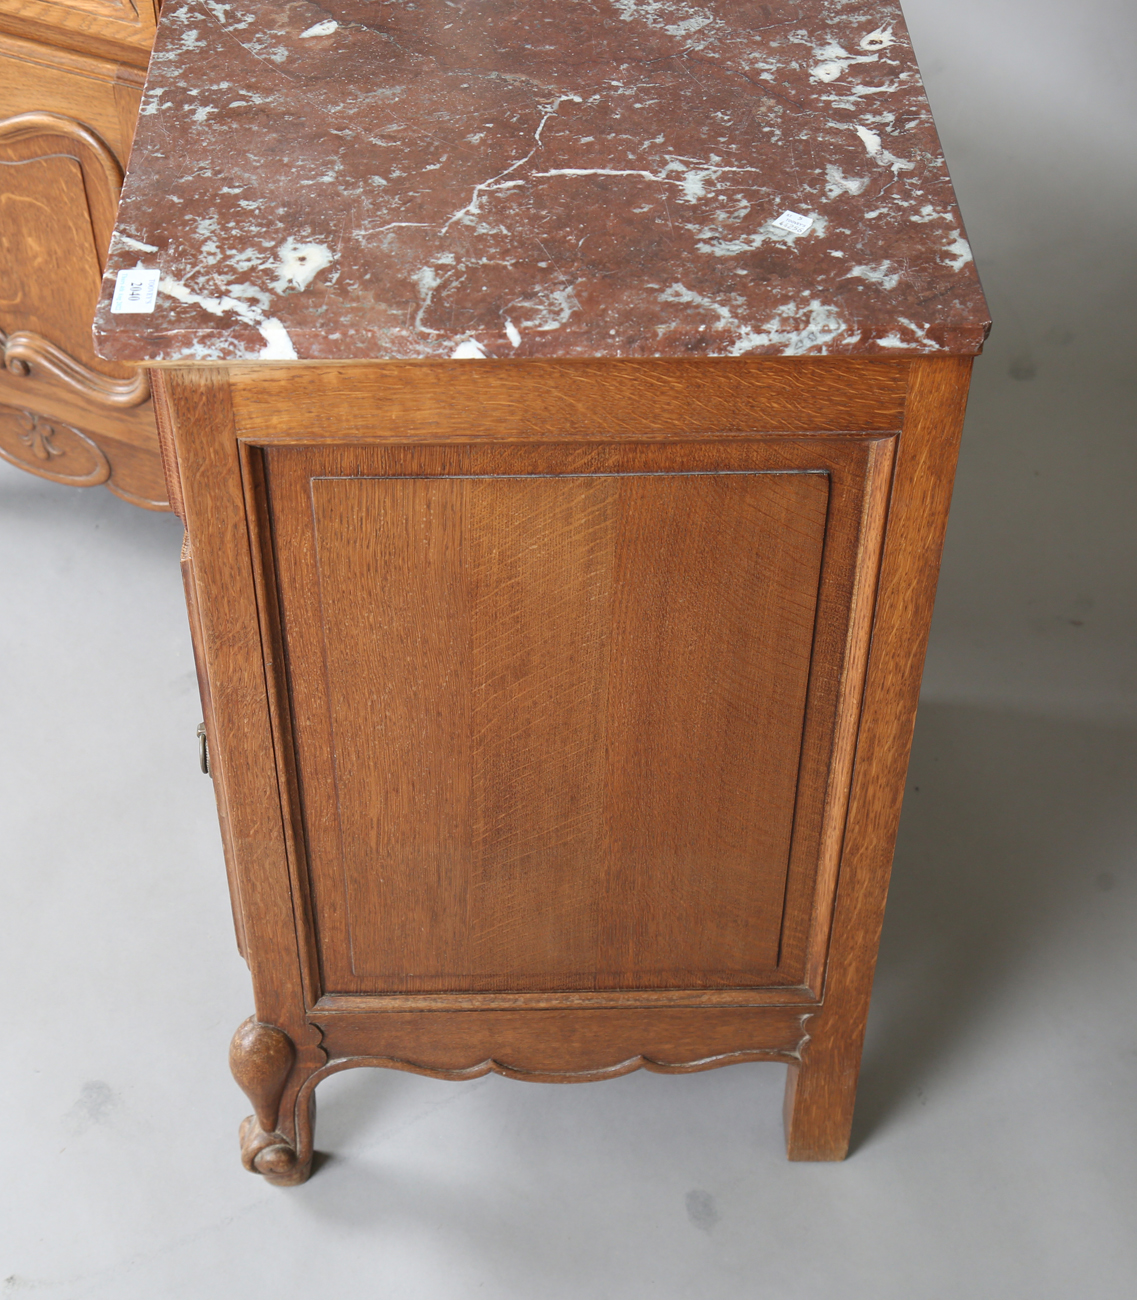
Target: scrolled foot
270,1155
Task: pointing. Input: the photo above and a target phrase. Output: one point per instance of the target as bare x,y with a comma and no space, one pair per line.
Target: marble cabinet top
557,178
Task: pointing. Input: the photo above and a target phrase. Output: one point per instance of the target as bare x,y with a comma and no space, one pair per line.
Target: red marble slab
571,178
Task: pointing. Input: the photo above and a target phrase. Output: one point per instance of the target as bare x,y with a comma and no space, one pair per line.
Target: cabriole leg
262,1059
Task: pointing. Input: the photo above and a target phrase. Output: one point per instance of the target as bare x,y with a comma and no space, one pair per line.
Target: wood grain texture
570,399
280,720
136,472
171,473
622,708
541,1048
197,640
566,1046
564,684
242,758
820,1093
41,391
61,161
26,353
101,94
60,188
714,594
558,1000
508,729
226,616
110,29
261,1058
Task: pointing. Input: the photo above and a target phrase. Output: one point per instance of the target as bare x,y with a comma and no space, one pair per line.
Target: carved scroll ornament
25,353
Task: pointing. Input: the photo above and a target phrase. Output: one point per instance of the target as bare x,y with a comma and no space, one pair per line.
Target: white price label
794,222
136,289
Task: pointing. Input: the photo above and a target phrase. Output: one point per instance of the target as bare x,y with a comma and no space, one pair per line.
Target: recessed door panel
548,726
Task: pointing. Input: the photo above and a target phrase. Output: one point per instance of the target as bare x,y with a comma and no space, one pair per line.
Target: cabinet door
566,717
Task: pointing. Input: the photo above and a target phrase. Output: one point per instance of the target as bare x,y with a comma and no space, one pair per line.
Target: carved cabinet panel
65,125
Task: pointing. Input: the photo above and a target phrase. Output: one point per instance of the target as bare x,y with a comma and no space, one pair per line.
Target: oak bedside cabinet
562,402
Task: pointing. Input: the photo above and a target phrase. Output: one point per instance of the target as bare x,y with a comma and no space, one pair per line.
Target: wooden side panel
539,573
189,586
565,692
394,643
715,599
566,717
449,627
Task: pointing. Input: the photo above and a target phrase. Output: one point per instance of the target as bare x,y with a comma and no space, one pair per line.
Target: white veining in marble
503,179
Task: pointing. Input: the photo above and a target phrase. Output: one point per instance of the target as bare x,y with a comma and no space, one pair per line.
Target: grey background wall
995,1152
1036,104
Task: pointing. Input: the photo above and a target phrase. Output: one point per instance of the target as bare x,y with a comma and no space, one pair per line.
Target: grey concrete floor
996,1137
